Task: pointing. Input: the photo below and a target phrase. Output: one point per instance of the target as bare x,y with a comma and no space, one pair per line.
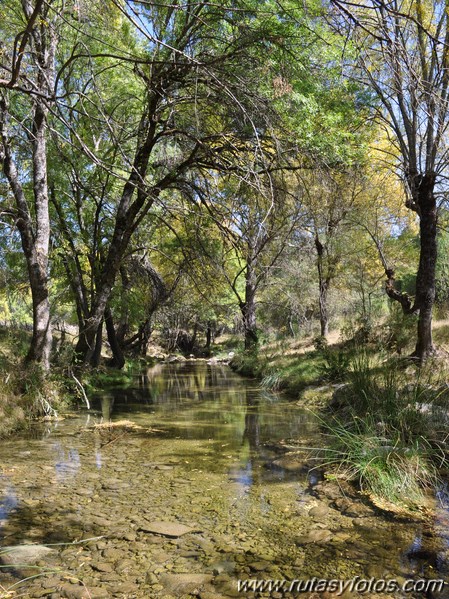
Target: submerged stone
184,584
24,554
167,529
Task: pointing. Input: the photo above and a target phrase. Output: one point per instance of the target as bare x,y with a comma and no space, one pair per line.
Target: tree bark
248,308
95,362
118,359
208,336
35,240
323,283
324,316
425,279
33,222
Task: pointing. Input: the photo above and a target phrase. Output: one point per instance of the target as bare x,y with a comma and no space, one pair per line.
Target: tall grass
388,429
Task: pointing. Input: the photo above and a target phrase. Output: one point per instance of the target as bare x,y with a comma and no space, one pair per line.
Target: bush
335,366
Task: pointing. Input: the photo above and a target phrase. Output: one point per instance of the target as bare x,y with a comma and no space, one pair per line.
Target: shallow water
202,449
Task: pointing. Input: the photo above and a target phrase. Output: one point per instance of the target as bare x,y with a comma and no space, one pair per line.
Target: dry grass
118,424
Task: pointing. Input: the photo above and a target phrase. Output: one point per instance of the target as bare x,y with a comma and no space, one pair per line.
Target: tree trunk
85,346
33,219
41,341
145,334
323,283
95,362
208,336
425,279
248,309
118,359
35,240
324,317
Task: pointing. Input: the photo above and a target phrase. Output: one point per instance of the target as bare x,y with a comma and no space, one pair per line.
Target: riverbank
26,393
384,420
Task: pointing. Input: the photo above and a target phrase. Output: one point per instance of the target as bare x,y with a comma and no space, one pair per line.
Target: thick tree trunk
425,279
35,240
41,341
118,359
33,219
85,346
95,362
123,325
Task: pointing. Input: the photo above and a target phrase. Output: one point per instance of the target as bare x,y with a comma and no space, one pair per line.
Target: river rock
112,554
289,463
74,591
166,529
103,567
319,511
24,554
315,536
211,595
184,584
125,588
259,566
358,510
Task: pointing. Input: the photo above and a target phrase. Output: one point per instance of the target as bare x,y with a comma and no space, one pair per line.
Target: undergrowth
387,428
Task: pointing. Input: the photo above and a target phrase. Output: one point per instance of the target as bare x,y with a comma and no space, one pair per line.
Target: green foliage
398,332
335,366
383,466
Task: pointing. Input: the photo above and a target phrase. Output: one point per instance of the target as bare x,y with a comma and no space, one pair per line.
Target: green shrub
335,366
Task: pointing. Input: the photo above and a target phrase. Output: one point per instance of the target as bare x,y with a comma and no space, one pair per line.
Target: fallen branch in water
83,392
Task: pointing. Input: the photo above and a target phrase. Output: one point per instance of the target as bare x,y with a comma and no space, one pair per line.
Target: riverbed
185,482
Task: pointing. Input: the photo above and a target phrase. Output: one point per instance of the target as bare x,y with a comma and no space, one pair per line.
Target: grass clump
387,429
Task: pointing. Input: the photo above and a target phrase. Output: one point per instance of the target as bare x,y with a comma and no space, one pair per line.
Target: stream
184,483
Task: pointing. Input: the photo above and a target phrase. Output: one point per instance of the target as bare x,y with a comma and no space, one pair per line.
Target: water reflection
204,455
251,434
107,404
67,463
8,501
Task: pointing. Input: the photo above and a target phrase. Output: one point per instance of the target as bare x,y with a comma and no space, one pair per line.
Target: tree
200,109
330,197
29,60
402,56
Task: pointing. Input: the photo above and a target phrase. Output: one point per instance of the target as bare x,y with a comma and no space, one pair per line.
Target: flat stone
289,463
74,591
259,566
184,584
167,529
106,567
24,554
315,536
98,593
319,511
113,554
126,587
